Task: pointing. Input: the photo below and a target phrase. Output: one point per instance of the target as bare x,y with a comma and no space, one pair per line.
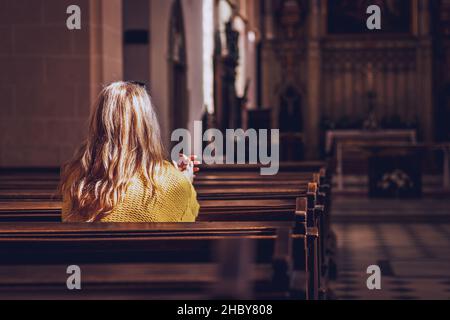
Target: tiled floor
414,259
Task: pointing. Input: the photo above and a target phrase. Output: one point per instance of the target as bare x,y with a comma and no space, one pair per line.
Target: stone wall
50,76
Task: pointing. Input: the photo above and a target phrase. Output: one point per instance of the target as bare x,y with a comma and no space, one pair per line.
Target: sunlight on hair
123,142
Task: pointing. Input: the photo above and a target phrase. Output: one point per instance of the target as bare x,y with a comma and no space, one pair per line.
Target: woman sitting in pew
119,174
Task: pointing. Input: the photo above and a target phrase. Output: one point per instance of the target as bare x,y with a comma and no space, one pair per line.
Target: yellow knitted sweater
175,200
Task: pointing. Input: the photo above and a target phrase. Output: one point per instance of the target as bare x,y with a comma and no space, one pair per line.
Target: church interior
360,207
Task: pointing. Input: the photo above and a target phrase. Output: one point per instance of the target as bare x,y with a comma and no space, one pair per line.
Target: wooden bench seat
159,250
228,194
115,281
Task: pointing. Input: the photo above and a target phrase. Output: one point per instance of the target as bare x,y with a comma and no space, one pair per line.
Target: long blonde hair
124,141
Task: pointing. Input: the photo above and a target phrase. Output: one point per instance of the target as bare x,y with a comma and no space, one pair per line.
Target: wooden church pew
234,188
301,229
249,175
49,178
301,166
230,216
206,185
298,216
160,251
53,173
233,191
239,207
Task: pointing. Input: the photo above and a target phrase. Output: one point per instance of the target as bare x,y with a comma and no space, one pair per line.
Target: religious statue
232,38
230,102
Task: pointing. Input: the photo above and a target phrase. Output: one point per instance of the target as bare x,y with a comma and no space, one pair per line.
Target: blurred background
375,103
306,67
310,68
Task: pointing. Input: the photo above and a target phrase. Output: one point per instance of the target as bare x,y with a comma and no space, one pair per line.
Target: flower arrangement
396,181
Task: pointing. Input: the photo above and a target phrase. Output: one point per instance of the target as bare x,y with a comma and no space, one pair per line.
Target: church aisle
413,259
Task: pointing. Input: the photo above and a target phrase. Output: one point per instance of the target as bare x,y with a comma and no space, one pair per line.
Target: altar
337,141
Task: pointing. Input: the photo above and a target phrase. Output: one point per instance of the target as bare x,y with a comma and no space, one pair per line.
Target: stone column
136,20
425,72
312,118
106,43
268,20
267,60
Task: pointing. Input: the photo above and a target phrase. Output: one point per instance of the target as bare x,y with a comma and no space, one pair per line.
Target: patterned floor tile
414,258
